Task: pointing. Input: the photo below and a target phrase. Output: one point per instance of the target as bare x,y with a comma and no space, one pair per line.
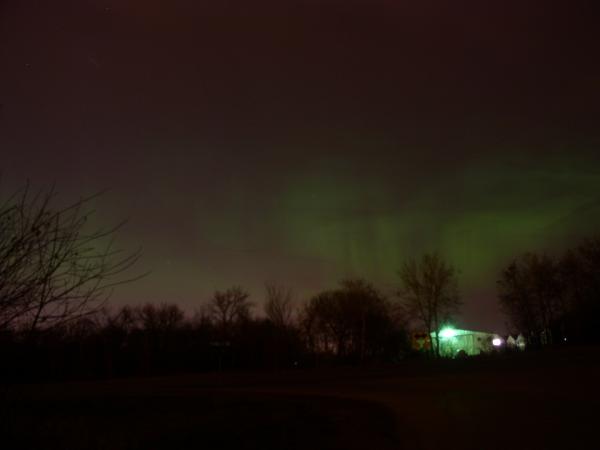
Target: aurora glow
301,143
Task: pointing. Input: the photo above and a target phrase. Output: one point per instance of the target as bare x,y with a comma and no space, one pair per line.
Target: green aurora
302,142
318,226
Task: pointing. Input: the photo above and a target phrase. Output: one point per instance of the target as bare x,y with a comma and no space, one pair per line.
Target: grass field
545,400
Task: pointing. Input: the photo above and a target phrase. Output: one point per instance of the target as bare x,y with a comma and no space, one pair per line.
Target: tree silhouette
54,267
530,293
229,308
279,306
353,321
429,293
553,300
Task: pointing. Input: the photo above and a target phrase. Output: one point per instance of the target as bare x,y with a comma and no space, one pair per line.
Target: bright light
496,342
447,333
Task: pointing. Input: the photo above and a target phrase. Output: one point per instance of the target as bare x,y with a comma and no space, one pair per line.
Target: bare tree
160,318
53,267
279,305
354,320
429,293
229,307
534,290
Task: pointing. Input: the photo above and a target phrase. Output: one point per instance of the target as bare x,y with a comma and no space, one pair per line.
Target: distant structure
516,343
457,343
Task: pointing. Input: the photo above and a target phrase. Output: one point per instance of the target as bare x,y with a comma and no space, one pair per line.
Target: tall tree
279,305
228,308
587,306
429,293
531,295
354,321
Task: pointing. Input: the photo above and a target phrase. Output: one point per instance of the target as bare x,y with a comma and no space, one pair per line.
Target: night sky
301,142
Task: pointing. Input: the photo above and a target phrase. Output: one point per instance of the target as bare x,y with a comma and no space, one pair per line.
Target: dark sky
304,141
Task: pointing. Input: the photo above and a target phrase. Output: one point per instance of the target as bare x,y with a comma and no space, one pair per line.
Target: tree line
554,299
57,273
351,324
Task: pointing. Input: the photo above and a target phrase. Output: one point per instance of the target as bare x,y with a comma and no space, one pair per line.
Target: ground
542,400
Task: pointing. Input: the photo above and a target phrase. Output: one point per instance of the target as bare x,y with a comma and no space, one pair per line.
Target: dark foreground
539,401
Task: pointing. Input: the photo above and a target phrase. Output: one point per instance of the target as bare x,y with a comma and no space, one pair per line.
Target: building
455,342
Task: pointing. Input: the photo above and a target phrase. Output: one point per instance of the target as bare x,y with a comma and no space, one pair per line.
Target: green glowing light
447,333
